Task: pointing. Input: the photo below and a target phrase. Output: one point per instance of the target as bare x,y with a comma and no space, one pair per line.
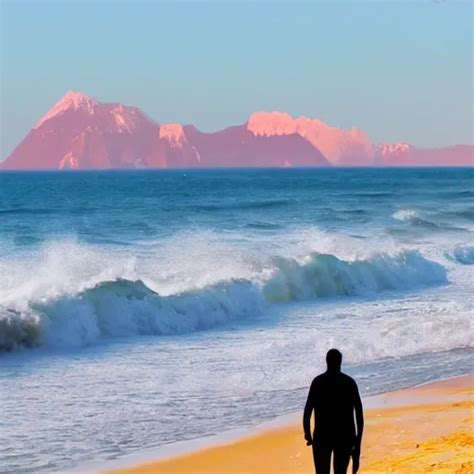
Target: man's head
334,360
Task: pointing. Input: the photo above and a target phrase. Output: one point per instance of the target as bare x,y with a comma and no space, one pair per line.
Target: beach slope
428,429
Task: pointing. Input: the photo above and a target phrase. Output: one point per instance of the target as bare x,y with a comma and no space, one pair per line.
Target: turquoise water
138,309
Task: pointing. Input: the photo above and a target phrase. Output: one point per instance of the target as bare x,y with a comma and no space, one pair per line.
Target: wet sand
427,429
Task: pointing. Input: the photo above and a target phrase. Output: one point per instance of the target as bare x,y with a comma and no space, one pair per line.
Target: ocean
139,309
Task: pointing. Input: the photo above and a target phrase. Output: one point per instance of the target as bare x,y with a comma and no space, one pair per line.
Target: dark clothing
322,458
333,397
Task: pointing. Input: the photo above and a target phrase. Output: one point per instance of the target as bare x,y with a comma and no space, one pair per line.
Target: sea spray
124,308
86,256
322,275
412,217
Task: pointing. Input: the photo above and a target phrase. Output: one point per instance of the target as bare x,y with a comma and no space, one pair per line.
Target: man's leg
322,458
342,456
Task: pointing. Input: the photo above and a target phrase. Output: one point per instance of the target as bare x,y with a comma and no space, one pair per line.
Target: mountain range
79,132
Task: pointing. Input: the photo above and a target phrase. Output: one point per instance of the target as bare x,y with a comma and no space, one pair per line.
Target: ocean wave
405,215
48,211
124,307
323,275
354,211
263,225
457,193
464,254
240,205
412,217
466,214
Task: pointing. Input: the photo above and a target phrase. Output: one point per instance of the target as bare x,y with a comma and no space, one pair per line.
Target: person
334,397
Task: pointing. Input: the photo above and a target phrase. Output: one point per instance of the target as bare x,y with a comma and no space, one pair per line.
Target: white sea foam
78,294
322,275
282,276
413,217
405,215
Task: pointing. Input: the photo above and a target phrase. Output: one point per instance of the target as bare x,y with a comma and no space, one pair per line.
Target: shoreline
451,390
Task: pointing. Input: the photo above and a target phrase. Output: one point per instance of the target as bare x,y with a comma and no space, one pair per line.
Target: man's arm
308,411
359,414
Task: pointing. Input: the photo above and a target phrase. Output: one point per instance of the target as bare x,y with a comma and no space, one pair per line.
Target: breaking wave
464,254
405,215
323,276
123,307
412,217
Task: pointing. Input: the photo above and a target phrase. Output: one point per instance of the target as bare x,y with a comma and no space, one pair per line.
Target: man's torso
333,401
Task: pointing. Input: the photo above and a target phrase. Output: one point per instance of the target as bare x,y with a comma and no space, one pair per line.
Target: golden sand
421,430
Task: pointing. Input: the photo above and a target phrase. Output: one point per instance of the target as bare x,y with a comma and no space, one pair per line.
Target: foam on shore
452,390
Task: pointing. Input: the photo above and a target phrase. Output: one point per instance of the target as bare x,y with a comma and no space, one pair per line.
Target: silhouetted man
334,397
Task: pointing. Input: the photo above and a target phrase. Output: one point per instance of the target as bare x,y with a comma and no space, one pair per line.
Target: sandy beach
426,429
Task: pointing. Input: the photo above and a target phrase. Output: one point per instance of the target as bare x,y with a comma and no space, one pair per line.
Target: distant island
79,133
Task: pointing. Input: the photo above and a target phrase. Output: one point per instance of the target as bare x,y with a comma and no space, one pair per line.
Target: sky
401,71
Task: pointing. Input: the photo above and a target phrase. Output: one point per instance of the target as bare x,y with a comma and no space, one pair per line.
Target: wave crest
124,307
412,217
325,275
464,254
18,329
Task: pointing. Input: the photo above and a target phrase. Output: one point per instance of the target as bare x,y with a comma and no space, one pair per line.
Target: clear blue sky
402,71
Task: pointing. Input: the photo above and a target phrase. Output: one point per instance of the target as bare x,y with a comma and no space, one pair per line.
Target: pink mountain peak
340,147
82,133
268,124
125,118
72,100
173,133
394,148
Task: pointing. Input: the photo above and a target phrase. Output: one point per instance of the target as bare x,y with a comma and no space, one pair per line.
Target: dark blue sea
139,309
